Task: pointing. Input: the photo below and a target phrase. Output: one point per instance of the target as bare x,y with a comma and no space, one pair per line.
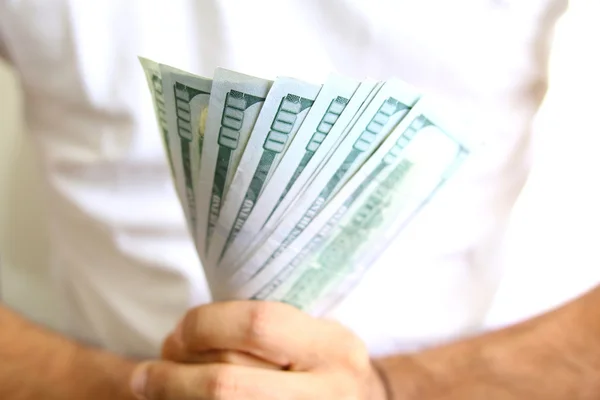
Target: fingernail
138,382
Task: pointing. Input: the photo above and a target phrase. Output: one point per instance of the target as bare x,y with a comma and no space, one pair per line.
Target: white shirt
123,260
551,254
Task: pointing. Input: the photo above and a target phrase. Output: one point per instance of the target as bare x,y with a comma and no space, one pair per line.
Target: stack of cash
292,189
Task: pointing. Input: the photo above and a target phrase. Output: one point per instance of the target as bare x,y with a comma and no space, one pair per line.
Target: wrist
380,387
97,374
404,378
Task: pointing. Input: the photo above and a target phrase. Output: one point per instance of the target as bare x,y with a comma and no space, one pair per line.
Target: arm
38,364
554,356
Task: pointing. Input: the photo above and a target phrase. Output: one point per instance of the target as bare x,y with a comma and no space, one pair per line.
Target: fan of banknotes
292,189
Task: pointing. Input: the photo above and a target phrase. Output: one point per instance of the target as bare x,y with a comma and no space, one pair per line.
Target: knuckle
259,323
358,356
189,325
348,395
359,361
158,379
222,384
346,389
355,354
227,357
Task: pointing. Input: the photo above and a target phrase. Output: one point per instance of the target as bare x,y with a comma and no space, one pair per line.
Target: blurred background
23,236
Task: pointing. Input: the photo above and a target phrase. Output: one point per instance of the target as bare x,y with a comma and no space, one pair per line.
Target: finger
174,350
275,332
170,381
230,357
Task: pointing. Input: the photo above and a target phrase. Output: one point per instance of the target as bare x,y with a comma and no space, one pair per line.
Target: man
128,272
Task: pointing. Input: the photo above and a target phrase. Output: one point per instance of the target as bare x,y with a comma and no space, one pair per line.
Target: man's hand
298,357
555,356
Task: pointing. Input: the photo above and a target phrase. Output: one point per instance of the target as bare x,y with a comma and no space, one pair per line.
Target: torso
129,272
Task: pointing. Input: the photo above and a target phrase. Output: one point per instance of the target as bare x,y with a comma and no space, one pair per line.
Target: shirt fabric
123,262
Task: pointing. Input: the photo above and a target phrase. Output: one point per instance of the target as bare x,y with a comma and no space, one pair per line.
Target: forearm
555,356
38,364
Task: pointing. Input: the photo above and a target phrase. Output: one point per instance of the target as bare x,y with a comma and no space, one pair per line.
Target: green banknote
292,189
154,79
389,106
284,111
347,237
235,105
314,144
186,99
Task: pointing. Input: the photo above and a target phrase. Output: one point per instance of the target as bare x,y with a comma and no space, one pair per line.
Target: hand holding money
309,358
297,189
292,189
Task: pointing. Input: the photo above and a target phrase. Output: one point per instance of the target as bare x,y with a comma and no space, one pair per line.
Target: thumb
139,379
166,380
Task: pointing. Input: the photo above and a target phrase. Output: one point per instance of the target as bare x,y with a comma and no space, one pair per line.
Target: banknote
154,79
186,101
336,107
292,189
389,106
235,104
295,193
344,240
284,111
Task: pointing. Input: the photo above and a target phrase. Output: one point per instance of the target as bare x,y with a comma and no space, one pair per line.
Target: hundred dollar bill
338,104
321,158
235,105
356,226
296,191
154,79
284,111
389,106
186,101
